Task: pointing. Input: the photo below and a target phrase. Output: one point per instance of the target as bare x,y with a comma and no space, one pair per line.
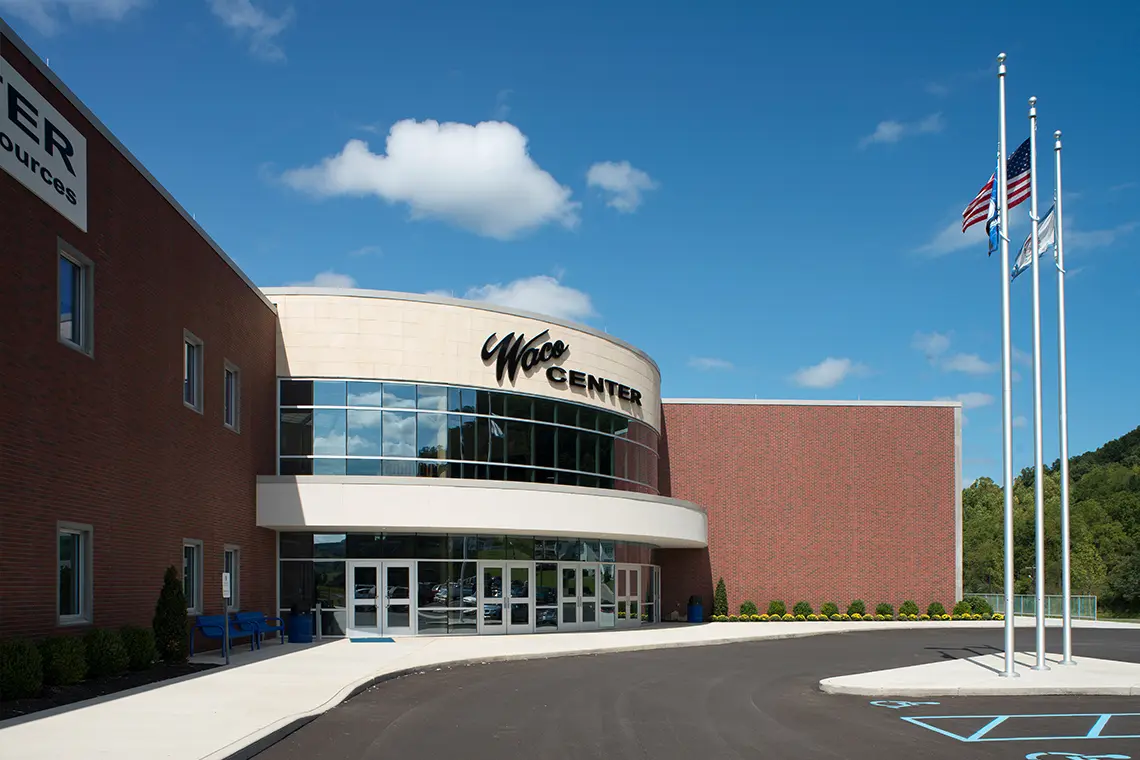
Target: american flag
1017,178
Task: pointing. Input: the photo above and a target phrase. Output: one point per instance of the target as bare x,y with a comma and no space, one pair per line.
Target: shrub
924,616
139,643
856,606
802,608
776,608
987,616
720,599
908,608
978,605
733,618
106,655
171,626
884,609
961,608
999,616
21,669
787,617
763,617
829,609
879,616
748,608
64,660
835,616
855,616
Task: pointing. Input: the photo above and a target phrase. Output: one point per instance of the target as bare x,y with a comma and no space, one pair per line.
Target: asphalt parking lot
749,700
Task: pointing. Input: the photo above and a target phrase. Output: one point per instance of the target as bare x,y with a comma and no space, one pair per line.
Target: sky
767,199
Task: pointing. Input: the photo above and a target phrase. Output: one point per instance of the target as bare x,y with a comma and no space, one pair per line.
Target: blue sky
765,199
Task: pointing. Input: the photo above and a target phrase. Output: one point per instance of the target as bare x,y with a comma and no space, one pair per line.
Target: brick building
390,463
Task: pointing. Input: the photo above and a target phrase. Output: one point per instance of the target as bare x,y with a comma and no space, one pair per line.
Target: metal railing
1082,607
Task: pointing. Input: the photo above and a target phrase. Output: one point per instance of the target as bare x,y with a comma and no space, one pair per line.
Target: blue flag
993,225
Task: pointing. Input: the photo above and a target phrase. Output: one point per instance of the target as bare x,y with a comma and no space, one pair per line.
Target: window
232,564
76,289
74,559
231,397
192,575
192,371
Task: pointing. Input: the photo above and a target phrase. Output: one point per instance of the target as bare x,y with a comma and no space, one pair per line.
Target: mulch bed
56,696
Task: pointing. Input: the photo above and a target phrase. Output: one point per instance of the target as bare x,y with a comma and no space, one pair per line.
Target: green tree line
1104,502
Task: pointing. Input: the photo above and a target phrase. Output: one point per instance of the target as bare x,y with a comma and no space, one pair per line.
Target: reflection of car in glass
546,617
365,591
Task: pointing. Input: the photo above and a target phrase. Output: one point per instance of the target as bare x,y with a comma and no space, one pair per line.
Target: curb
978,691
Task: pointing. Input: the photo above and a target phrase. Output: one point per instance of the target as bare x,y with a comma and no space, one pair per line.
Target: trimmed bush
748,608
835,616
880,617
908,608
106,655
139,643
776,608
935,609
171,625
961,608
856,607
884,609
763,617
788,617
801,618
802,608
21,669
829,609
924,616
999,616
734,618
978,605
720,599
987,616
64,660
754,618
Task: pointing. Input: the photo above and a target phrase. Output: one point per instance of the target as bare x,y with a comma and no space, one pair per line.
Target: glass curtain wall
312,569
349,427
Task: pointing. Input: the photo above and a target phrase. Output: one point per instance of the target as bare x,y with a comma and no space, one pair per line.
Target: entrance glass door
588,590
364,599
546,587
492,603
628,595
397,599
520,599
569,598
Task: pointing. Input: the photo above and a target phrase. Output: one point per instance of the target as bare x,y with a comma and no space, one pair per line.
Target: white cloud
707,363
1020,421
931,344
328,280
366,250
828,373
541,294
479,177
44,15
971,400
971,364
893,131
622,183
1022,357
502,107
263,29
951,238
1082,240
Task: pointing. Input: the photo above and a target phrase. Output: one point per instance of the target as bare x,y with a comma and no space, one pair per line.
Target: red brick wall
815,503
106,440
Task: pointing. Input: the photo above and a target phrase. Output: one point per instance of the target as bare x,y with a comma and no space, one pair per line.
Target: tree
171,626
720,599
1088,569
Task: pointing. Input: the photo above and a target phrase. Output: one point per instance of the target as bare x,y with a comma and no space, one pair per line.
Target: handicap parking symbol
896,704
1076,756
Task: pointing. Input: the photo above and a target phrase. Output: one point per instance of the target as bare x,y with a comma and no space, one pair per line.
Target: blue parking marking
898,704
1098,723
1076,756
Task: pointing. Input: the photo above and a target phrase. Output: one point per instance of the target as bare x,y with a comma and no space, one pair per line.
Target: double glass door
628,595
506,598
380,601
577,597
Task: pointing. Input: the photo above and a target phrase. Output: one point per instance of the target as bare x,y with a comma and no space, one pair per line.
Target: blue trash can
300,627
696,610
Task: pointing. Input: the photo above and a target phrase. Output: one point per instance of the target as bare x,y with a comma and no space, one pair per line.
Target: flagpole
1006,373
1038,455
1063,395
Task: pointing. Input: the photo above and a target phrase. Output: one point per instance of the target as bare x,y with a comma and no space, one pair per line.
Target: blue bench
259,624
212,627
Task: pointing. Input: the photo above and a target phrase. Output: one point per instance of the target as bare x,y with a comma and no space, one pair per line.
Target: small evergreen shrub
987,616
835,616
21,669
139,643
829,609
754,618
884,609
64,660
106,655
924,616
912,617
171,625
788,617
801,618
856,607
748,608
978,605
802,608
935,609
763,617
880,617
962,608
908,608
999,616
733,618
720,599
776,608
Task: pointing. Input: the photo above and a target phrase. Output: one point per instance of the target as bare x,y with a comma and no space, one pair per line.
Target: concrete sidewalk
233,712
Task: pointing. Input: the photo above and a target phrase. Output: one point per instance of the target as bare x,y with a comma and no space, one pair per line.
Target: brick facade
106,440
814,502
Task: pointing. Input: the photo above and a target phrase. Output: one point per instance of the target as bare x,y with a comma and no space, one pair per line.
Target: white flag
1044,240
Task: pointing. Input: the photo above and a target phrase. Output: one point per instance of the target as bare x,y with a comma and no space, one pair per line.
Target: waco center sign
42,149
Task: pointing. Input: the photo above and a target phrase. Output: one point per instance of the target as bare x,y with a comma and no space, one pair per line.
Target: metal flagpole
1038,455
1006,373
1063,394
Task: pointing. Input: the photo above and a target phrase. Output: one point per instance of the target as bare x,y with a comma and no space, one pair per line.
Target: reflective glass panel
364,582
70,572
462,590
567,449
545,583
329,580
520,613
296,584
520,582
296,466
431,397
68,303
569,549
362,393
544,410
587,419
328,467
329,545
398,582
329,432
296,545
519,443
296,432
589,582
498,429
432,622
607,585
432,581
543,445
462,621
519,547
467,398
546,617
606,455
399,546
296,393
431,547
365,615
400,468
329,393
431,435
362,467
364,546
569,582
493,582
364,432
519,407
569,612
398,616
399,433
589,612
399,396
454,400
491,547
